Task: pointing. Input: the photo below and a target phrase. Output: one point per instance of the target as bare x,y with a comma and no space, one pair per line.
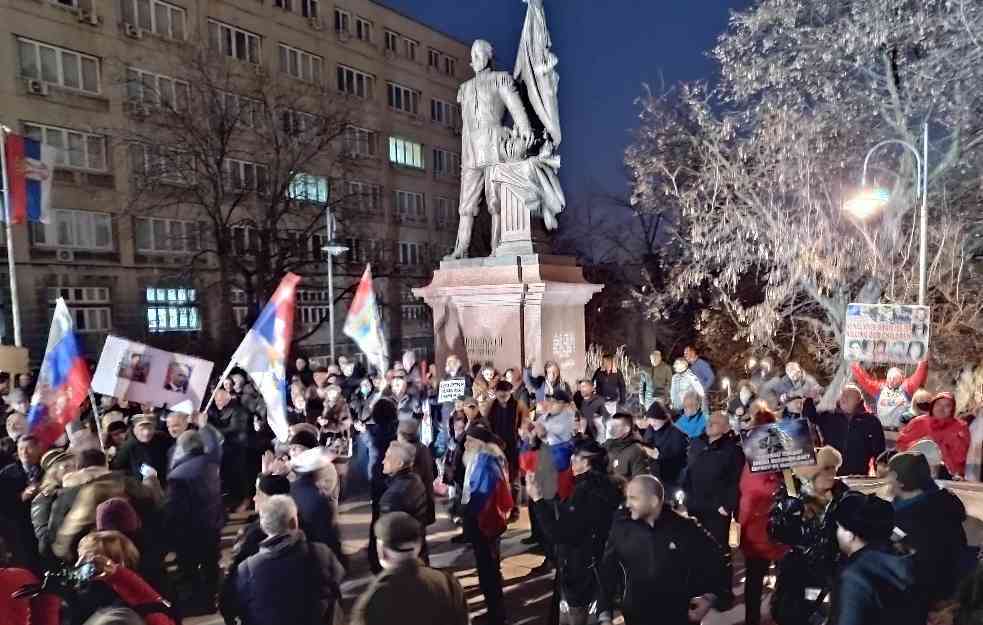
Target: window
158,162
234,42
411,47
286,5
365,197
245,175
172,310
392,41
342,21
247,111
440,62
297,122
72,148
354,82
308,188
246,239
57,66
433,58
156,89
409,206
360,142
166,235
363,29
403,98
89,307
409,253
154,16
300,64
441,162
413,312
449,66
443,113
75,229
405,152
313,305
309,8
355,253
442,210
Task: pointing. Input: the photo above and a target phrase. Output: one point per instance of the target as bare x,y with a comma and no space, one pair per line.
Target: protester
234,420
940,426
407,405
668,445
654,381
610,384
19,483
700,368
380,432
739,406
453,371
693,418
795,383
505,415
593,408
626,457
851,430
290,580
315,492
921,401
434,596
545,386
55,464
483,386
423,465
404,493
892,396
579,527
675,572
757,492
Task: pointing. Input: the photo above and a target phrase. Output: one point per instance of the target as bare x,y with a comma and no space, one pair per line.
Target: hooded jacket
673,446
627,459
950,434
713,472
933,527
878,588
757,496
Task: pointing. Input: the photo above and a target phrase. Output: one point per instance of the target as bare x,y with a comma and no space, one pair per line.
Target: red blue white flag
29,167
63,382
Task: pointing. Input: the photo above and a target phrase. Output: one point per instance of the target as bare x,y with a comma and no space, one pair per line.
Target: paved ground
528,593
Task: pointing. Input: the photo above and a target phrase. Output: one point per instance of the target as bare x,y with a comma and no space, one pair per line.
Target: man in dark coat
850,429
626,456
592,408
235,421
423,464
195,516
675,571
146,445
290,580
932,521
405,492
316,495
19,483
667,444
432,596
505,415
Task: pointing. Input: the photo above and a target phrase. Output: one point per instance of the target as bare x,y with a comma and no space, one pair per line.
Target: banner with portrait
777,446
886,333
147,375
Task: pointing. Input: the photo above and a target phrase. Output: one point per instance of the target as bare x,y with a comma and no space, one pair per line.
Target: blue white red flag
490,495
554,460
364,326
63,382
29,168
263,353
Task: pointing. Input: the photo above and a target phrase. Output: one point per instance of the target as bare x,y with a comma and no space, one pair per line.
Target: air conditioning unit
37,87
315,23
88,17
66,256
132,31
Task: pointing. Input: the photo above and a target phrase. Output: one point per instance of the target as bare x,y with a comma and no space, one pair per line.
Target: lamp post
871,200
332,248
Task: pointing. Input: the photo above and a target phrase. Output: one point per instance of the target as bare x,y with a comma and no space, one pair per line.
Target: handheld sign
886,333
779,446
451,389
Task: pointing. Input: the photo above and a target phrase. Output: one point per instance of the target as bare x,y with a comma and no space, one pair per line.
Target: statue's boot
463,239
496,232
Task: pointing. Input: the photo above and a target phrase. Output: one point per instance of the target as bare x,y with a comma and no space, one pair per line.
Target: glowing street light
867,203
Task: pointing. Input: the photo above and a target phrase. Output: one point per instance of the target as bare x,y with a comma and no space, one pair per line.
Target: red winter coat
950,434
41,610
757,497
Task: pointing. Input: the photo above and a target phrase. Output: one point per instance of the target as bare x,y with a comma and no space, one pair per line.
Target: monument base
509,309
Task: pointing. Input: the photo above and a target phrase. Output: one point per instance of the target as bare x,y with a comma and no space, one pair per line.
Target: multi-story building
69,68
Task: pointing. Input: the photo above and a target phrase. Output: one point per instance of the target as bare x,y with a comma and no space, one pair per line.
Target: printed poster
886,333
777,446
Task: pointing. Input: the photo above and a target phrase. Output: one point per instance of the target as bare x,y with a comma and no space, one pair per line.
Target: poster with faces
147,375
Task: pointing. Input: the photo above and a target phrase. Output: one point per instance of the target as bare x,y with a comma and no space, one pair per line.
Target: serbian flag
63,382
549,463
29,167
490,499
263,353
364,326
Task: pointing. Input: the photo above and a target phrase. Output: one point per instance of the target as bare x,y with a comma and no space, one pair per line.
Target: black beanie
868,516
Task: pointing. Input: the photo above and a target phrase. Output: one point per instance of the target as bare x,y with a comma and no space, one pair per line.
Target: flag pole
98,417
11,265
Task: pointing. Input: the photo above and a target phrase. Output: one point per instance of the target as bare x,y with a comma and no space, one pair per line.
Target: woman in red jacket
940,426
757,496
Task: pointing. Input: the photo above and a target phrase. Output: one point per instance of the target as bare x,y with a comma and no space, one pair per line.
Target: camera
60,582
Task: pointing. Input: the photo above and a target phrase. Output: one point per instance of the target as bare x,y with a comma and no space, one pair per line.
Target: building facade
69,69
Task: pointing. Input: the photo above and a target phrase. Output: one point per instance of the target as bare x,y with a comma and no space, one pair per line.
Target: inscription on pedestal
482,348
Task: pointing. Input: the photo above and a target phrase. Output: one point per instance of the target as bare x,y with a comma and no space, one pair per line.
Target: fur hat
826,457
53,457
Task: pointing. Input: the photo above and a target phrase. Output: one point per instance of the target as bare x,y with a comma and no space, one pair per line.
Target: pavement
528,592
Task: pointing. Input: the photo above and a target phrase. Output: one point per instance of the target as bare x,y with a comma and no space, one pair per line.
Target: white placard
147,375
886,333
451,389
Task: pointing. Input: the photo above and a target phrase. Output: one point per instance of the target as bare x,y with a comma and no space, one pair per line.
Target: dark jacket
933,527
876,587
289,581
316,513
610,386
13,480
406,493
579,527
435,597
654,384
423,466
504,421
673,445
713,473
133,454
235,422
593,408
661,567
246,545
627,459
859,438
194,498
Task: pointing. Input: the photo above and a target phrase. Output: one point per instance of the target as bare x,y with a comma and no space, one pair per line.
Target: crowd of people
632,496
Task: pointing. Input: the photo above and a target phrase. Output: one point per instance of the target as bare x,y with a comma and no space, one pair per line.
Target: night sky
606,49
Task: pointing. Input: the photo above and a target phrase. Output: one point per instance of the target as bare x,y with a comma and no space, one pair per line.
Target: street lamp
332,248
872,199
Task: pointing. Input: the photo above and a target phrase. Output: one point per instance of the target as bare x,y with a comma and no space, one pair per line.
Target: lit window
58,66
76,229
405,152
171,309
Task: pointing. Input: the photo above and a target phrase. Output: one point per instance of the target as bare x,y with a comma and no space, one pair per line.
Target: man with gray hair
405,491
289,580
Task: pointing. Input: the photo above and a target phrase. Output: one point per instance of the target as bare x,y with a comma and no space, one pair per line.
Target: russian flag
491,498
263,353
557,457
363,324
29,165
63,382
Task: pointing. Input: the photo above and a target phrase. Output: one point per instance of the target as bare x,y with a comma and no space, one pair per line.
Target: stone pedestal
506,309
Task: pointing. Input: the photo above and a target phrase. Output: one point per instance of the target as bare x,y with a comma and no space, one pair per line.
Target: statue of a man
484,100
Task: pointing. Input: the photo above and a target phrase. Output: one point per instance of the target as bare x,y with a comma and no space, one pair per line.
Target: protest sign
147,375
451,389
886,333
781,445
13,359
